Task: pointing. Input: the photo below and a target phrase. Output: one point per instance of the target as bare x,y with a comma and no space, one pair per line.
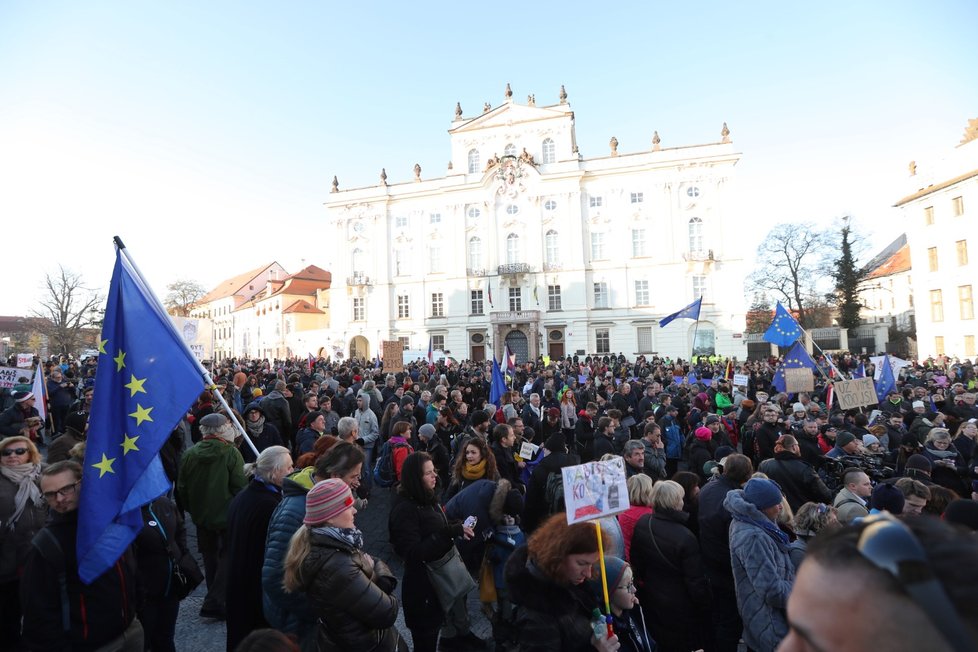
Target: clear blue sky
206,133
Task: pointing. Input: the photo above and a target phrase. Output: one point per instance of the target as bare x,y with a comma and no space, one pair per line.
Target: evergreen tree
848,278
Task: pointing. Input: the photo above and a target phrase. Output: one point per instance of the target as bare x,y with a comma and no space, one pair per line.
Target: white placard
741,380
855,393
798,379
528,451
9,376
594,490
25,360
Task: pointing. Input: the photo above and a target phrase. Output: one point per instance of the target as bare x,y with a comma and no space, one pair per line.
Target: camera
875,466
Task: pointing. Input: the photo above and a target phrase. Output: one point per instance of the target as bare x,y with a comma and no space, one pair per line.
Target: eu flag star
128,444
135,385
120,360
141,414
105,466
101,346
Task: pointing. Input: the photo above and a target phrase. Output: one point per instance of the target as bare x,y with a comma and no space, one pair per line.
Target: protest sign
393,352
855,393
25,360
594,490
528,450
197,334
798,380
741,380
9,376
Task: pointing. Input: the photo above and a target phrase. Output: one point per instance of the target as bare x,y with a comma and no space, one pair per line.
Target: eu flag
886,382
146,380
860,371
498,384
784,330
797,358
692,311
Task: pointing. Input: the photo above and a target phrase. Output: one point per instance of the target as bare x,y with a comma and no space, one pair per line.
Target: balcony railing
358,279
514,268
514,316
475,271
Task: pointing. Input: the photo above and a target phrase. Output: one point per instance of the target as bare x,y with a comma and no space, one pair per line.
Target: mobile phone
470,522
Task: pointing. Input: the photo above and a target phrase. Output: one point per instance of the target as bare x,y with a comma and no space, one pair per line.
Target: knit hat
553,412
869,440
326,500
748,404
703,433
513,505
844,438
918,404
963,512
77,421
614,568
886,497
427,431
556,443
762,493
711,419
722,452
407,401
798,407
918,462
20,397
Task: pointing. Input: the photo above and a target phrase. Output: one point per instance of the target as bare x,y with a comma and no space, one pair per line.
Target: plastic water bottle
598,626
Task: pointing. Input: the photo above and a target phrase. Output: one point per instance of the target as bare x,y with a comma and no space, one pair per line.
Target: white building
939,214
524,240
887,294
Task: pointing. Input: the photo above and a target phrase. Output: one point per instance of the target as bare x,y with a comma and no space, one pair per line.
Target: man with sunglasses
60,612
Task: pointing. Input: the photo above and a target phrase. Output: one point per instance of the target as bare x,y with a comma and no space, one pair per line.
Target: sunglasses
13,451
892,547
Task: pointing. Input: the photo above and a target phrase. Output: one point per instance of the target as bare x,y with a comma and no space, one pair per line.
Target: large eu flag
784,330
692,311
145,381
797,358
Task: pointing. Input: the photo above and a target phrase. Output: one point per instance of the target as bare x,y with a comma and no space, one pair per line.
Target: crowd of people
755,518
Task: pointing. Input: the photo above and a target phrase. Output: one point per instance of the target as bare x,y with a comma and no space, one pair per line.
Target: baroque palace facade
524,241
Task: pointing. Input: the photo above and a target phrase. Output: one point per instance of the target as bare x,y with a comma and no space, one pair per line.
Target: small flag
312,361
887,382
535,297
860,371
40,391
784,330
829,397
431,353
692,311
498,385
729,371
489,289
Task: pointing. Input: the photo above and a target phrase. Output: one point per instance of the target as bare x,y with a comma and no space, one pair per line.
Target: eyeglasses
891,546
64,491
13,451
630,587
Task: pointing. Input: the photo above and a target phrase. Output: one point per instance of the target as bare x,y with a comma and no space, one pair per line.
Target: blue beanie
614,568
762,493
887,498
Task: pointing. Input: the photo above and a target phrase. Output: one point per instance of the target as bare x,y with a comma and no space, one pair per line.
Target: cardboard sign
528,451
741,380
851,394
594,490
25,360
798,380
9,376
393,351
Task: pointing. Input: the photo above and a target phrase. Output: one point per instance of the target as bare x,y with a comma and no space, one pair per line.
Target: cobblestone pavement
196,633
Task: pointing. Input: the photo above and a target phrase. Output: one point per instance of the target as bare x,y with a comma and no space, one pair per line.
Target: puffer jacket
550,617
353,599
15,542
479,499
763,573
286,612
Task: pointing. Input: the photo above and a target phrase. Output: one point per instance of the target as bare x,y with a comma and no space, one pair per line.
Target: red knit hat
326,500
703,433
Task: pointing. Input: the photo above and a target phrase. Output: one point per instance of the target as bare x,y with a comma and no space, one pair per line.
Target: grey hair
345,426
938,434
269,460
631,446
667,494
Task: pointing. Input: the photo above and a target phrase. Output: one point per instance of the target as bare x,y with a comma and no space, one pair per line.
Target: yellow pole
604,579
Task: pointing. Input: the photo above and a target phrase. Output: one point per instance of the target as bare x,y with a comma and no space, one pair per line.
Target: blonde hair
668,494
299,547
640,487
33,455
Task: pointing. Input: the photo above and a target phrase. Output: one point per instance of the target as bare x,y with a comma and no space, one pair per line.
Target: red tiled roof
898,262
304,307
230,287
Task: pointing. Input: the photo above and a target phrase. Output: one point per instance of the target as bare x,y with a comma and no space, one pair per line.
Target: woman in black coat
672,583
248,518
420,532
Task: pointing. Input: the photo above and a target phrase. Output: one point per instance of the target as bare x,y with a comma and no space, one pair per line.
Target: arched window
550,243
510,150
696,235
512,248
549,151
475,252
473,161
356,261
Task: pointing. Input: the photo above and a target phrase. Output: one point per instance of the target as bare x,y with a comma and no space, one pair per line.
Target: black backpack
385,474
555,492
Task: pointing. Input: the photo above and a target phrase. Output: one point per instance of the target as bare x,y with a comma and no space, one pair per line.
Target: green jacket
211,473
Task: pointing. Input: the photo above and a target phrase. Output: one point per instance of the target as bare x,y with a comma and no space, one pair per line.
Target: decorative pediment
511,113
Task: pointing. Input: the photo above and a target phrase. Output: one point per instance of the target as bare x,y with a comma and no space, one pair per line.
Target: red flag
312,362
829,397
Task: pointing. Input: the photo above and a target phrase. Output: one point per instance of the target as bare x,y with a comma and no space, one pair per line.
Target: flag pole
208,381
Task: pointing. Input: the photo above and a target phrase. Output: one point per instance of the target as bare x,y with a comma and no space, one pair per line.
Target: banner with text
851,394
10,376
393,351
594,490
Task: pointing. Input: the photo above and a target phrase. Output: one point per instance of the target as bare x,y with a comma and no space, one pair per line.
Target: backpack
385,470
555,492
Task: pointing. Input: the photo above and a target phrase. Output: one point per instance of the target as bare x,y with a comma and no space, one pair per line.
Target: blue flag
886,382
146,380
860,371
692,311
784,330
797,358
498,385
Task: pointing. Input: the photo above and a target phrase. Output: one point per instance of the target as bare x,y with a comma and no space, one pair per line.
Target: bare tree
181,297
66,309
790,265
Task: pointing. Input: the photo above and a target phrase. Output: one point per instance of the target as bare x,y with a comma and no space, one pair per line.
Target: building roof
232,286
887,252
306,281
895,264
923,192
301,306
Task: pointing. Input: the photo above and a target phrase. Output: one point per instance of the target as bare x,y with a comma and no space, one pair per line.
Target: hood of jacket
746,512
365,395
498,501
300,482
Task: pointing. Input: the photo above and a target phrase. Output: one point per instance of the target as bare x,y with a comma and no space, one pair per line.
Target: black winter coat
15,542
152,552
420,533
535,508
550,617
353,598
798,479
602,446
699,453
714,533
248,518
672,582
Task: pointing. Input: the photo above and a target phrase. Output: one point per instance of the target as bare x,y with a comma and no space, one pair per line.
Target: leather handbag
449,577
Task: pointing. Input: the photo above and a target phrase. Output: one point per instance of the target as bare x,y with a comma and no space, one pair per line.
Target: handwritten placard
393,351
798,380
10,376
25,360
528,450
594,490
855,393
741,380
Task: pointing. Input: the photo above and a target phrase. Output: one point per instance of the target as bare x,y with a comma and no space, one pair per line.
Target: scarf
474,471
255,427
766,524
950,453
350,536
26,477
